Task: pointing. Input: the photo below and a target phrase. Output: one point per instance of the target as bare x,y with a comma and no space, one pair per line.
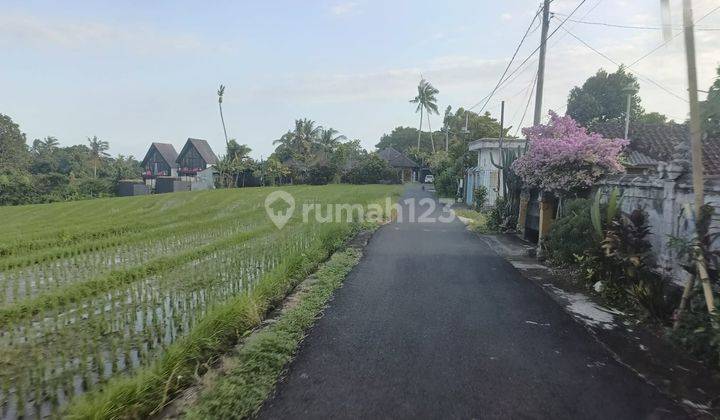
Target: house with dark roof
160,160
195,157
659,181
653,144
405,167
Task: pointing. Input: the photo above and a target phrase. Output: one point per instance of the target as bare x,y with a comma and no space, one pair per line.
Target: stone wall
664,196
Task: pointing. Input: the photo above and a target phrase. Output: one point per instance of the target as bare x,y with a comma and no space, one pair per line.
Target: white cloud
36,32
344,8
505,17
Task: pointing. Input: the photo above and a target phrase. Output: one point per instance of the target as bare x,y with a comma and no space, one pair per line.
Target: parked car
429,179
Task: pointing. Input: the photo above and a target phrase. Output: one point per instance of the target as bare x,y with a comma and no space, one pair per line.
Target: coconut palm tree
426,102
329,140
302,138
221,92
98,151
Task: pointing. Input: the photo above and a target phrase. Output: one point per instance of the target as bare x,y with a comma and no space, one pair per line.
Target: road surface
433,324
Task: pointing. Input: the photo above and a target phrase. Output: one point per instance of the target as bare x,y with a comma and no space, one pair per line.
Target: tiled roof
166,150
658,141
396,159
203,148
636,158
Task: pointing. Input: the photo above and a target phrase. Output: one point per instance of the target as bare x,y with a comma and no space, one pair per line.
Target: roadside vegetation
130,298
611,254
241,390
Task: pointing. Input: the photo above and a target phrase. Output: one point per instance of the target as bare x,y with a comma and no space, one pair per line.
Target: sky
135,72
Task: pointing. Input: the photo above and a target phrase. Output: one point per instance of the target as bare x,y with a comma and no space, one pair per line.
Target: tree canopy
710,108
603,97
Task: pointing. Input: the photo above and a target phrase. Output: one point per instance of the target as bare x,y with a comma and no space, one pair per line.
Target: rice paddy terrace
93,289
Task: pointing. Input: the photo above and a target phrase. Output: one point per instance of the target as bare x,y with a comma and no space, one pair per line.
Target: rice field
94,289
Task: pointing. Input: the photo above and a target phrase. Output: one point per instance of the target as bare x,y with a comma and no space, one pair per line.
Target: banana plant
611,211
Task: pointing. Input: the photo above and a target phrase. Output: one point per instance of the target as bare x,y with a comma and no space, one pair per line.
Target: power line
613,25
487,98
512,59
618,64
649,53
527,105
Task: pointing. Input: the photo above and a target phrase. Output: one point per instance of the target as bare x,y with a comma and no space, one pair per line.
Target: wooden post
522,214
547,216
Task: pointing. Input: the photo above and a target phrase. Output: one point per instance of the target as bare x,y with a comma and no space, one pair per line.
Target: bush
321,174
571,234
501,217
480,197
446,183
371,170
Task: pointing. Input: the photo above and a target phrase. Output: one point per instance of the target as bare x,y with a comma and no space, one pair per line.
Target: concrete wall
663,198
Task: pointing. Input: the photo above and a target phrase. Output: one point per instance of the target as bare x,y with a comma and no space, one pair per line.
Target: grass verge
476,220
240,392
147,391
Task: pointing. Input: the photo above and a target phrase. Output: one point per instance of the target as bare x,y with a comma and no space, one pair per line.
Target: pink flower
562,157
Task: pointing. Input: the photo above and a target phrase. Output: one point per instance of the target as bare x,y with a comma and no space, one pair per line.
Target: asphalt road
433,324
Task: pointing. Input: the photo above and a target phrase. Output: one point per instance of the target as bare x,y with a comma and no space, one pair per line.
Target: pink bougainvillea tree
564,158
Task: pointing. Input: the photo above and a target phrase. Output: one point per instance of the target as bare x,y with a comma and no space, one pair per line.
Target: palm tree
98,149
329,140
221,92
426,102
301,139
50,143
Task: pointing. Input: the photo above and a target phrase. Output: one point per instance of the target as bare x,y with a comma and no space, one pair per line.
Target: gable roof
166,151
203,148
657,142
396,159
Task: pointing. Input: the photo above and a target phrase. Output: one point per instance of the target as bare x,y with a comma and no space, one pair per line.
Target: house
195,156
658,179
485,173
406,168
160,160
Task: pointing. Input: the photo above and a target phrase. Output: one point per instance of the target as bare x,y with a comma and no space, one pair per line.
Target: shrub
480,197
571,234
501,218
446,183
371,170
321,174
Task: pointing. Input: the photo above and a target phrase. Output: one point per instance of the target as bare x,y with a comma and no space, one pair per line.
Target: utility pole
500,143
701,271
695,127
541,64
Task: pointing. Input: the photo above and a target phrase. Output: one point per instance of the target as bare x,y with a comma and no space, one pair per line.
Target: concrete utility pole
695,126
541,64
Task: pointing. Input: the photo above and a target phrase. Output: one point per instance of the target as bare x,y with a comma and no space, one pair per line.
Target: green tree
710,108
329,140
426,102
603,97
652,118
14,152
98,152
299,142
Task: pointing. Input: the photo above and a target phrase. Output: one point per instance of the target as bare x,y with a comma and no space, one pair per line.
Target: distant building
406,168
195,157
485,173
160,160
192,169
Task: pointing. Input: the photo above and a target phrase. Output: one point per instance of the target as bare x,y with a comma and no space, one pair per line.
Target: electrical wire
527,105
612,25
618,64
512,59
489,96
649,53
